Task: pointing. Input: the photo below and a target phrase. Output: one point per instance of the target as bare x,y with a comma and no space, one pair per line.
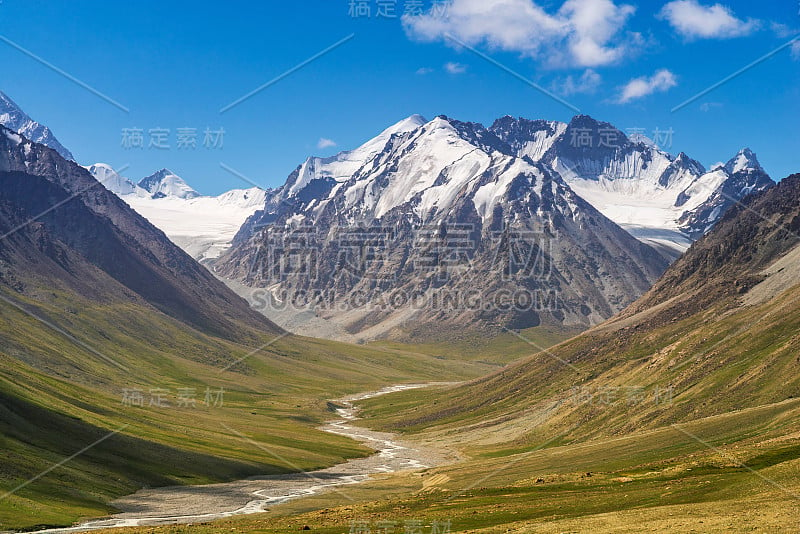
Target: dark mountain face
77,222
587,142
440,228
517,132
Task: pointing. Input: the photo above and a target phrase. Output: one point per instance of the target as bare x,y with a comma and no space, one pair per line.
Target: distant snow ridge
203,226
13,118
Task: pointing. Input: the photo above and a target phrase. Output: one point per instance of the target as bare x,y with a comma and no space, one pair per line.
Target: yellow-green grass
735,374
723,449
715,362
737,472
502,348
58,396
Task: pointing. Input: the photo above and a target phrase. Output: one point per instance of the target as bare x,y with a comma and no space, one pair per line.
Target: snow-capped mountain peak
342,166
13,118
718,189
422,166
166,183
406,125
111,180
377,143
461,179
639,138
682,166
744,160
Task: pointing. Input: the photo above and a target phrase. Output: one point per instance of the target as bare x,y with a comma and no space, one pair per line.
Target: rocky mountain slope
438,224
716,334
203,226
71,209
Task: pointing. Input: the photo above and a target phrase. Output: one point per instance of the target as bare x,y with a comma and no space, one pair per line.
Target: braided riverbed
192,504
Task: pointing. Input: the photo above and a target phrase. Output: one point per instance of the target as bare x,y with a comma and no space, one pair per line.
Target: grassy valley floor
737,472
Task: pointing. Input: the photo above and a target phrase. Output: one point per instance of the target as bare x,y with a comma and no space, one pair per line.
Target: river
192,504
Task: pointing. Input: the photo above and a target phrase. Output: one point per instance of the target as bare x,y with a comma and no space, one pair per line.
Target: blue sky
175,65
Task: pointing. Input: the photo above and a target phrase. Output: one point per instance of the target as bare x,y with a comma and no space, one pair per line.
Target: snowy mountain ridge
662,199
111,180
13,118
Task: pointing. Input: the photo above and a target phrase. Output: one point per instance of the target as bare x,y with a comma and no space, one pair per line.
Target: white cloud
583,33
422,71
705,107
693,20
326,143
782,30
586,83
455,68
661,81
796,50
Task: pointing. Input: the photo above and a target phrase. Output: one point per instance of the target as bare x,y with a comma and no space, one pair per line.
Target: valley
707,441
464,321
